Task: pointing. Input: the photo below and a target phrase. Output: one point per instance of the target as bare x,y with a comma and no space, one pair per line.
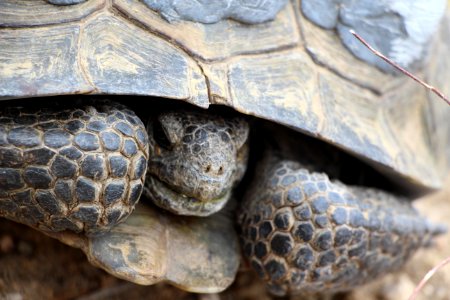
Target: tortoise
295,71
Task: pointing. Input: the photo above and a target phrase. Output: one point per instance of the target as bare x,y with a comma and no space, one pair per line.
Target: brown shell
288,71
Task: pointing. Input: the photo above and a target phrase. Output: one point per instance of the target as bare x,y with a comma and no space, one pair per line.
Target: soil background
34,266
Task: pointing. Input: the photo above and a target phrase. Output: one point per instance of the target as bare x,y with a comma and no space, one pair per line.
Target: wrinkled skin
196,158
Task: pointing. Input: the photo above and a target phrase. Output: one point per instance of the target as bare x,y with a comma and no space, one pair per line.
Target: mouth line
167,197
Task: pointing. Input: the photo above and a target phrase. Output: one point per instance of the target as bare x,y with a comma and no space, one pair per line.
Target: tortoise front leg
71,168
302,232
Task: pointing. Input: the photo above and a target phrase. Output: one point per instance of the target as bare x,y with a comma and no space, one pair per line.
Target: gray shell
287,70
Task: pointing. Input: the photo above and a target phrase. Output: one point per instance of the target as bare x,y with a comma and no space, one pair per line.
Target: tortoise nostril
215,171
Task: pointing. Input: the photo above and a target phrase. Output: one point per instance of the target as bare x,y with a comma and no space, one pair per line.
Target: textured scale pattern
78,169
302,232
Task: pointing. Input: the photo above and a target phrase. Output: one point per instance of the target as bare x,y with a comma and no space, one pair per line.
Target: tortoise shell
288,70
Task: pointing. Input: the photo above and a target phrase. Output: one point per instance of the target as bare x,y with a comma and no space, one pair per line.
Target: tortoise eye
160,136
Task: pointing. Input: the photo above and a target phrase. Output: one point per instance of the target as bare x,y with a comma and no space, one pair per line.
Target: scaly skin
303,232
79,169
196,158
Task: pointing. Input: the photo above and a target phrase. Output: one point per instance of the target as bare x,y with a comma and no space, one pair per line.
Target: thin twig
398,67
427,277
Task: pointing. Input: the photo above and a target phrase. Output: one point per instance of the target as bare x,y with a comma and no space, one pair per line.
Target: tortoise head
195,160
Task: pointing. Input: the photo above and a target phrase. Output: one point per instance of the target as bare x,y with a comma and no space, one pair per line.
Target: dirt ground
33,266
